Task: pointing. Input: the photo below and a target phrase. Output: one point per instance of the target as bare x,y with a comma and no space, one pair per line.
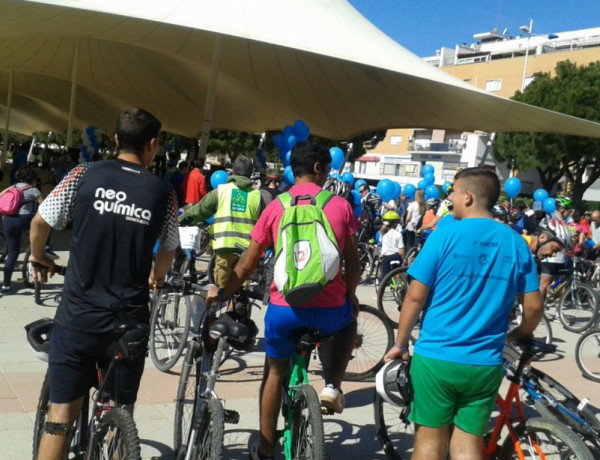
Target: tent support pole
73,99
7,121
210,97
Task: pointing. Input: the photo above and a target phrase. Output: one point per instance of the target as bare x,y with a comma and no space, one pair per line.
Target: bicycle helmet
338,187
557,230
564,202
514,216
392,383
432,202
448,204
391,216
38,336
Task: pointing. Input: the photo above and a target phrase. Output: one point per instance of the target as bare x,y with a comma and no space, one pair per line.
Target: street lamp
529,32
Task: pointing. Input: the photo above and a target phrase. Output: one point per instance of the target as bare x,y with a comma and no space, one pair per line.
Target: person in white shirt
392,246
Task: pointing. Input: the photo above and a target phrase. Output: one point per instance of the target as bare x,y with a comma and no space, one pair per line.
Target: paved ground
349,436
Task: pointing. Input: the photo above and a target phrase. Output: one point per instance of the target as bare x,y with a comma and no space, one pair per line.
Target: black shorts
72,366
551,268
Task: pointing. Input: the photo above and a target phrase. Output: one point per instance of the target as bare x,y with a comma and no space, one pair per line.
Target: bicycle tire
210,268
367,263
579,317
587,354
553,439
185,402
395,436
3,247
41,413
374,337
390,297
411,255
308,437
28,280
169,329
118,437
209,443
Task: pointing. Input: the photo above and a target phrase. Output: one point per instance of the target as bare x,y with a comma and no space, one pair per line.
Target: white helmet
556,229
393,383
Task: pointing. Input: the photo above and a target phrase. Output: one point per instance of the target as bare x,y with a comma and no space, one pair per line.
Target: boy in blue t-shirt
465,280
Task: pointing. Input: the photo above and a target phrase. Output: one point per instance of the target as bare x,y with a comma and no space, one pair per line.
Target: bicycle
368,253
199,413
587,354
3,247
30,281
543,331
391,292
110,431
534,438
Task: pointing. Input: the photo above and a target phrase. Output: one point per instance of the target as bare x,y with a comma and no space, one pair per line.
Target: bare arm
162,264
533,309
38,235
411,307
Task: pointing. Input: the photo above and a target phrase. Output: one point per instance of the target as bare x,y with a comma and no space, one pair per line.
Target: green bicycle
391,292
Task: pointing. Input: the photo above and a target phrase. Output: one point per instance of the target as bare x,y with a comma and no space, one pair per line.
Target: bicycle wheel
41,414
578,307
209,443
390,294
367,262
118,437
411,255
541,438
395,434
374,337
3,247
210,268
28,280
308,438
185,402
587,354
169,328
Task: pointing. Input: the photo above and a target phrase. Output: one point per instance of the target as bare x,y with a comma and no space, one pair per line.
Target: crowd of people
456,365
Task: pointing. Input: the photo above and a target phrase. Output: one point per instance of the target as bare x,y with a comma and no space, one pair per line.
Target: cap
537,206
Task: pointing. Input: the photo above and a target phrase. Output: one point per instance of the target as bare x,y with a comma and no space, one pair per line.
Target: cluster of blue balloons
285,142
90,139
427,183
548,203
388,189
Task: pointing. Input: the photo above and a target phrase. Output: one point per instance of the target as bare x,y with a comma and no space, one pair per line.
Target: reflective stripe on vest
235,217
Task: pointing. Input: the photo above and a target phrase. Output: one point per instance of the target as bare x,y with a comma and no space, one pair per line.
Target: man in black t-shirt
118,210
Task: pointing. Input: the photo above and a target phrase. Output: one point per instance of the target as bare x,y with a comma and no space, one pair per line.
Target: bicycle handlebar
58,269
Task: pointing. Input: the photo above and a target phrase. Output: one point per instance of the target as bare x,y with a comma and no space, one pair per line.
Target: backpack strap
323,197
320,200
285,199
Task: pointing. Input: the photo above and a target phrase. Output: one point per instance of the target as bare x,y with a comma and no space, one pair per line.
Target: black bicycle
103,429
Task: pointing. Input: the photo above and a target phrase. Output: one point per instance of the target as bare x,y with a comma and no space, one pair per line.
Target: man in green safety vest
236,206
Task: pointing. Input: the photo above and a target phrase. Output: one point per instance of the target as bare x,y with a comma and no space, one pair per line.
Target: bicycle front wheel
367,262
308,438
41,414
394,432
185,402
578,307
374,337
28,280
587,354
3,247
209,443
118,437
169,328
545,439
390,294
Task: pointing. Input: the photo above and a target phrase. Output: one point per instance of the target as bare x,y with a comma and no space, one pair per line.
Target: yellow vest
237,212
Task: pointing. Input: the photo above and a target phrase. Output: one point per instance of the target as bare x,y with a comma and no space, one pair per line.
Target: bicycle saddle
227,327
531,347
307,338
131,336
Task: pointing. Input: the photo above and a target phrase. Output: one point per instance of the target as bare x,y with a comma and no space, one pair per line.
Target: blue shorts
280,321
72,366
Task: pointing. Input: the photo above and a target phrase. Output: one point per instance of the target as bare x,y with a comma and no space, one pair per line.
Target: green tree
574,90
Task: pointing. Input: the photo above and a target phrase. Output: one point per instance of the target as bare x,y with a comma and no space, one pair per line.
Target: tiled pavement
349,436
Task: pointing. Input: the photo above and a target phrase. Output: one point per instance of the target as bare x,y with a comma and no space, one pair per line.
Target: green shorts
446,392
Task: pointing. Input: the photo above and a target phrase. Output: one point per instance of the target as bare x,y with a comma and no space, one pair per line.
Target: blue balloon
348,177
210,220
512,187
356,197
540,195
432,192
427,169
385,189
409,190
218,177
290,141
397,190
337,157
336,175
301,130
549,205
288,155
278,141
288,131
359,183
358,211
421,185
429,179
446,185
288,175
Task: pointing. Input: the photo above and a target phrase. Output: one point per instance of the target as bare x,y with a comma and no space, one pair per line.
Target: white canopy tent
234,64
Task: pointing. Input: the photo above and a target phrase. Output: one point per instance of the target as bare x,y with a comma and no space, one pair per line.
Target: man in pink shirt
331,311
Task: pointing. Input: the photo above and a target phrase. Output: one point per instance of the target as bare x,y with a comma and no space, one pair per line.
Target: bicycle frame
297,376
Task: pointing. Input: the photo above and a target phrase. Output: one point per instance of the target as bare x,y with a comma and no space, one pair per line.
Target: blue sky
422,26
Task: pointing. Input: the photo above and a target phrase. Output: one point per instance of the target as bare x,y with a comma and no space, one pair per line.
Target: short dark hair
305,155
243,166
135,128
481,182
182,165
26,174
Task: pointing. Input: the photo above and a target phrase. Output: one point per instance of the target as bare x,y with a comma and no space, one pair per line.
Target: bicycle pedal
232,416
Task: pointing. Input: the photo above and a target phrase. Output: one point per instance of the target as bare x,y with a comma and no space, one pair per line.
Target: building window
388,169
362,167
395,140
493,85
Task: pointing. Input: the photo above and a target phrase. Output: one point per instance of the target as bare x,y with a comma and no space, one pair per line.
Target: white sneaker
333,399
